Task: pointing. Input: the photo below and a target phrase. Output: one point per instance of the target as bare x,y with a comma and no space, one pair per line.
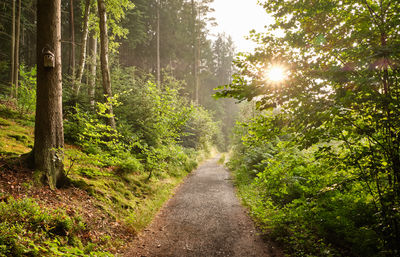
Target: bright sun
276,74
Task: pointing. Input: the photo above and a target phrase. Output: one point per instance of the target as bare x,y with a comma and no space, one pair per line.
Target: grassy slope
113,206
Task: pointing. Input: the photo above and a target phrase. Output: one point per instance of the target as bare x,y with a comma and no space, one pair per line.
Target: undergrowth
309,203
129,182
26,229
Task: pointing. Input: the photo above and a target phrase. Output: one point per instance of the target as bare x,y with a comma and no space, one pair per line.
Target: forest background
130,136
316,156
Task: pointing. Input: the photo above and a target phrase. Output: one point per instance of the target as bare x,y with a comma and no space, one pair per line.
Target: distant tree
82,58
72,41
12,44
15,58
92,69
105,70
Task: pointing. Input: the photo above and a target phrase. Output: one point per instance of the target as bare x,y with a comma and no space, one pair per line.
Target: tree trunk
82,59
105,71
12,47
72,35
198,64
16,50
194,41
93,66
49,134
158,44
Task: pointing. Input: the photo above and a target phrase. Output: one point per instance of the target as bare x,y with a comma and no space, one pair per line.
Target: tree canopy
340,94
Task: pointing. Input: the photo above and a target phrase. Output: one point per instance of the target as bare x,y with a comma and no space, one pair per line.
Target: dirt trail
204,218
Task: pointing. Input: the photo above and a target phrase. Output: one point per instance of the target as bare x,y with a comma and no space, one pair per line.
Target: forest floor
204,218
16,182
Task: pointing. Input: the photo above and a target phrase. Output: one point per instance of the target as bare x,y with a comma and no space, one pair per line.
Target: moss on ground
130,198
15,139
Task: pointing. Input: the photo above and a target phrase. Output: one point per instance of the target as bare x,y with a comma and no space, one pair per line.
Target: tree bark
49,134
82,59
12,46
72,35
93,66
198,63
16,50
194,39
158,2
105,71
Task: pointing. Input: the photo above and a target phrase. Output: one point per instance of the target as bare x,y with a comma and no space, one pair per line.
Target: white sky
236,18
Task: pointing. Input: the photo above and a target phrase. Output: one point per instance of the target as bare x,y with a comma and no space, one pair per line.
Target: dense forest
112,97
140,73
106,105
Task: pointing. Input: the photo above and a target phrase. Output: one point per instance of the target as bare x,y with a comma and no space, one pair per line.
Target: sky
236,18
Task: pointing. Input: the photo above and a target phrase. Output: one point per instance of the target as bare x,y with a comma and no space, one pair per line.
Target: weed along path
203,219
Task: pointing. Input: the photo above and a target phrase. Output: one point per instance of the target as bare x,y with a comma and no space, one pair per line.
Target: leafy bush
154,122
26,100
200,130
302,197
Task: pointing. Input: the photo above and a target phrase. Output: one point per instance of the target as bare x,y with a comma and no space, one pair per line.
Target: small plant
221,160
26,99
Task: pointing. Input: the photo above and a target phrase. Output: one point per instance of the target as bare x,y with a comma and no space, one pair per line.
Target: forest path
204,218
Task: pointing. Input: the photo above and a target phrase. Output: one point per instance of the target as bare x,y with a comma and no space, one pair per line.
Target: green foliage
26,229
316,206
221,160
99,140
152,133
26,100
340,102
200,130
156,114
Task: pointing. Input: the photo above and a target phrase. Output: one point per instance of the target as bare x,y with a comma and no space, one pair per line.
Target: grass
221,160
15,139
129,198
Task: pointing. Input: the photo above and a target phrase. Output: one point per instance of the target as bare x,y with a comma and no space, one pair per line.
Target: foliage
313,205
151,128
120,185
200,130
29,230
341,97
160,135
104,145
156,114
26,100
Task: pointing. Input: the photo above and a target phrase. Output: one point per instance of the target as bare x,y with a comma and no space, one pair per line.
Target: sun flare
276,74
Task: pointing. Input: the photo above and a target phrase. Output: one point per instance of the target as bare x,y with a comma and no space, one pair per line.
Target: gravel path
204,218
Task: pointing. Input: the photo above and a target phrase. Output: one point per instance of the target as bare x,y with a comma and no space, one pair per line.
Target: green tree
342,86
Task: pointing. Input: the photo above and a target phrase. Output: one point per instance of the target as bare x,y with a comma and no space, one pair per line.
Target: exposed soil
204,218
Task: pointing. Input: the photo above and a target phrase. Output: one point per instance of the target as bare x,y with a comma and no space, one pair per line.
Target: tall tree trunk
105,71
49,134
12,46
82,59
158,44
72,38
16,50
93,66
198,60
194,42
